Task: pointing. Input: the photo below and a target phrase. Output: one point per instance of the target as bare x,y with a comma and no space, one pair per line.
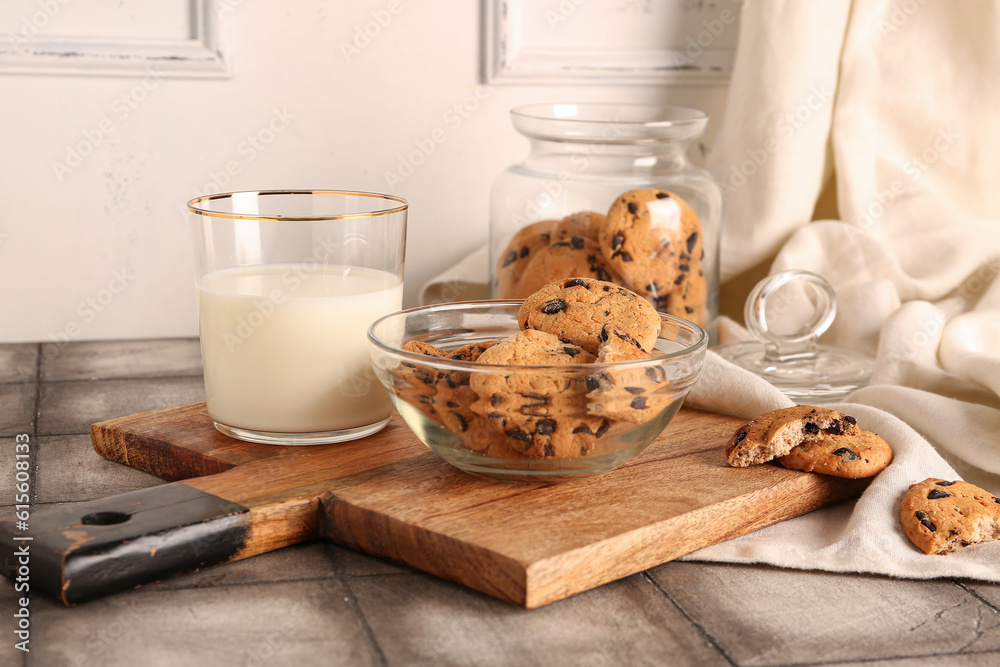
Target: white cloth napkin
888,110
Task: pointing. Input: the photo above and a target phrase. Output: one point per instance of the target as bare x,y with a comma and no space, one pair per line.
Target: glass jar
561,209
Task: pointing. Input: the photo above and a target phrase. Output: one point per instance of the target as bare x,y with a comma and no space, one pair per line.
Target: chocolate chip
928,524
496,399
510,258
684,267
603,335
688,309
593,382
540,399
954,532
623,336
944,483
850,420
846,454
545,236
632,208
525,251
626,257
740,436
602,274
495,416
575,282
811,428
463,425
545,427
517,434
936,494
635,391
603,428
662,195
834,428
452,404
638,403
583,428
572,351
655,374
617,240
554,306
577,242
692,241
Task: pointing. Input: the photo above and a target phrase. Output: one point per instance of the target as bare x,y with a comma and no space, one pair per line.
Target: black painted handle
90,549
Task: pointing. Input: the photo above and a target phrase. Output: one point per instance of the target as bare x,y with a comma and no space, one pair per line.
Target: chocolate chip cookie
776,433
852,456
584,311
518,254
630,394
646,236
940,516
542,414
574,256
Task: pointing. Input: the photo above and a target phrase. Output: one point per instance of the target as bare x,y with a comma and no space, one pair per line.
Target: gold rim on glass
193,205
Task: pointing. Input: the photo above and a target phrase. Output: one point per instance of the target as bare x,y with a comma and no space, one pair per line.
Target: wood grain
529,544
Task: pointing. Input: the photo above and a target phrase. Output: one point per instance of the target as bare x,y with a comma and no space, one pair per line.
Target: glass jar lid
787,312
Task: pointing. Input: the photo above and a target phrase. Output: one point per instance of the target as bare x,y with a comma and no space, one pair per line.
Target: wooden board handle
86,550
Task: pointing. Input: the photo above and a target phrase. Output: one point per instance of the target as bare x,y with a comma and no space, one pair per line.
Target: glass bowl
528,423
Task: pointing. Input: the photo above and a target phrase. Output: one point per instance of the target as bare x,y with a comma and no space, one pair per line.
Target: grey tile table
320,604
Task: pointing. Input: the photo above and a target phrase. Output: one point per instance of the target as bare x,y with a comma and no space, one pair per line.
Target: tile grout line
35,418
697,626
965,587
366,629
33,458
882,661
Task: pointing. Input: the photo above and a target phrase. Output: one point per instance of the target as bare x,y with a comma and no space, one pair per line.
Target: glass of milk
288,283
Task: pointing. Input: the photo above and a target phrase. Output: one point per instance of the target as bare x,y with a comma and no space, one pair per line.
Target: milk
284,346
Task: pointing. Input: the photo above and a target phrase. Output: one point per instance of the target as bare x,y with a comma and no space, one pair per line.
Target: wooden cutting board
388,495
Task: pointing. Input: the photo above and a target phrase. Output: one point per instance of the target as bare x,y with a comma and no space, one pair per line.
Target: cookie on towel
941,516
776,433
850,456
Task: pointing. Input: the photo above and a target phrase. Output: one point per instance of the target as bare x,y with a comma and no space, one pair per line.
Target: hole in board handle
104,518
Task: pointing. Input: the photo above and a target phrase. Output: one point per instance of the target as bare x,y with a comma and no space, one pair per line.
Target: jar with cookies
607,191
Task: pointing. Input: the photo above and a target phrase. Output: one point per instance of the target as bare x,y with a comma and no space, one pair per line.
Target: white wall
102,251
